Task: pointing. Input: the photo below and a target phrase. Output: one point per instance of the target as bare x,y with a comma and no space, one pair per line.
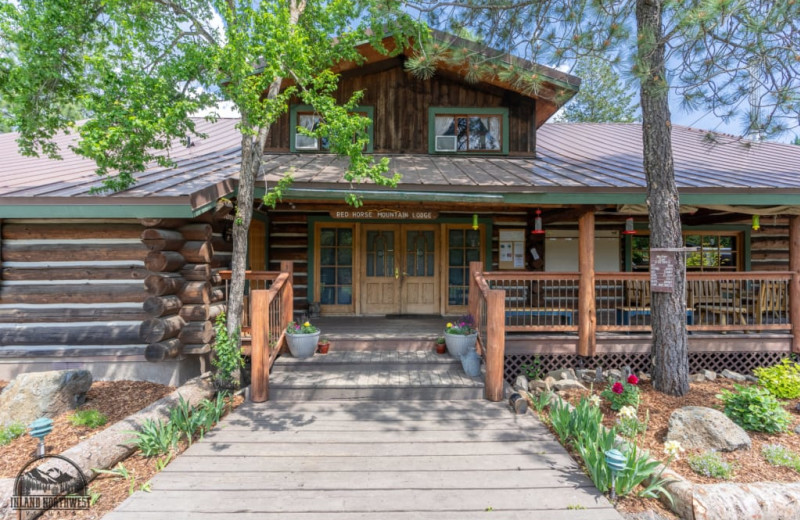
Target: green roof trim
97,211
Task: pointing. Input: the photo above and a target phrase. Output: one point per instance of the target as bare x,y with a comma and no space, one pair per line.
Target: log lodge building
555,214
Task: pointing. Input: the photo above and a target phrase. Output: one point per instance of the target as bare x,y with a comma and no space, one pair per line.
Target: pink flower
617,388
632,379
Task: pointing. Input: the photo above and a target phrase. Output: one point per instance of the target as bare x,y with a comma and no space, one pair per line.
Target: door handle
397,273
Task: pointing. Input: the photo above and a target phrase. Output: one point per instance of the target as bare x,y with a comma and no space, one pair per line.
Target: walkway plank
379,460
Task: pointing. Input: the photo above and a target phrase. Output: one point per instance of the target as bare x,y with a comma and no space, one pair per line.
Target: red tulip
617,388
632,379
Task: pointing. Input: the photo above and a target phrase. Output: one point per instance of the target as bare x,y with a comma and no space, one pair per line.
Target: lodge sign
384,214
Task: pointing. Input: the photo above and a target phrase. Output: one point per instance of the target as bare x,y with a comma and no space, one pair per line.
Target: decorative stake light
40,428
616,463
475,221
629,227
756,223
537,223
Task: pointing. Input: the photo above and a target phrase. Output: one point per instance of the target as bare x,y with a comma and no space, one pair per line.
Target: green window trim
742,232
295,109
468,111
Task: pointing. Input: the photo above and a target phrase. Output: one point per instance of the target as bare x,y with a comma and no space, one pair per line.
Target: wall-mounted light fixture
756,223
475,221
537,223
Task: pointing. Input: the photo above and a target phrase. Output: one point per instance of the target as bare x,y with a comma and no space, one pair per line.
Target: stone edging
726,501
106,448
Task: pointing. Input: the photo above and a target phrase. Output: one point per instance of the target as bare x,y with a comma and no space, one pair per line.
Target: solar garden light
616,463
39,429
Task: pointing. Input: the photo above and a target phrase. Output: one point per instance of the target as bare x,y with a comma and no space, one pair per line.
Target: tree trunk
670,350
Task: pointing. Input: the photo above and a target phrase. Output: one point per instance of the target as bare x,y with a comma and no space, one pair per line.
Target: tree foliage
603,98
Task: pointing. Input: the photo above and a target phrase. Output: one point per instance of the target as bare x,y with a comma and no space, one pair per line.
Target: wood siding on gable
401,110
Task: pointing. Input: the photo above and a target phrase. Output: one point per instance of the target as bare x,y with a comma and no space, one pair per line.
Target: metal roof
571,158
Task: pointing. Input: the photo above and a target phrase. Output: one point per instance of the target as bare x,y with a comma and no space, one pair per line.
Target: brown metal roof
571,157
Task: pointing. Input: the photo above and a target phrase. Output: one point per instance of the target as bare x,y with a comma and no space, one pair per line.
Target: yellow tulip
306,324
449,325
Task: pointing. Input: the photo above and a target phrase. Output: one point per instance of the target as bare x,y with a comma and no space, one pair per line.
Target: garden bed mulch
750,465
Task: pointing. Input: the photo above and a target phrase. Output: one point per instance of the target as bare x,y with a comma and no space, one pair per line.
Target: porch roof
576,163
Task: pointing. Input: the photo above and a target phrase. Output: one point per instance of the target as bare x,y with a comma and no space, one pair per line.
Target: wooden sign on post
663,263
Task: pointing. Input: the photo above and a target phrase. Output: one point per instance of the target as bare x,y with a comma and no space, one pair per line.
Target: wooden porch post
472,296
794,287
287,301
259,346
587,316
495,344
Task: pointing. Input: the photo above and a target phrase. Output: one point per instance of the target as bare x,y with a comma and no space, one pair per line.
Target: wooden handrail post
473,297
495,344
259,355
794,285
587,314
287,296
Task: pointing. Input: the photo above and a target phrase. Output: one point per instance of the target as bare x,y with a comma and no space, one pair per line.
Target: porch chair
638,304
772,299
518,311
708,298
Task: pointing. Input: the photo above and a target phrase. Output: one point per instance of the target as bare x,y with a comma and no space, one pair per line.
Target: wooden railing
715,302
254,281
487,306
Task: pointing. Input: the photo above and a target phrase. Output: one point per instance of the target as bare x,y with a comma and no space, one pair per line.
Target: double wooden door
399,269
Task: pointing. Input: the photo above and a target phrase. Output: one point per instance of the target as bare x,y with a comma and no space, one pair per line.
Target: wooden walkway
352,460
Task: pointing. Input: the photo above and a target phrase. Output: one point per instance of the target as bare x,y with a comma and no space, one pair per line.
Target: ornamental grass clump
301,328
755,409
464,326
711,464
623,394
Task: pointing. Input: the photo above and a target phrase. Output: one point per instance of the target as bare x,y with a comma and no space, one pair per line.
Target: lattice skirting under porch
742,362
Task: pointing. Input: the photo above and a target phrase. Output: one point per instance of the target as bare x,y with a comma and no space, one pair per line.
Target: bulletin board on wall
512,249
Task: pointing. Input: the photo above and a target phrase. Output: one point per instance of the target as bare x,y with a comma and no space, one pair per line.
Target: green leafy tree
734,58
603,98
142,68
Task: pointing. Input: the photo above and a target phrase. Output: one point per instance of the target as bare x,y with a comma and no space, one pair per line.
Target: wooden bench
537,312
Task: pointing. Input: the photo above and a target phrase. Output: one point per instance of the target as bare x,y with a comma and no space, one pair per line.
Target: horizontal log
100,333
164,283
220,260
195,292
294,229
70,231
164,261
162,239
196,231
74,273
201,348
163,350
217,294
196,272
197,252
279,255
283,242
62,314
105,293
157,306
159,329
14,252
769,243
197,332
219,244
202,312
169,223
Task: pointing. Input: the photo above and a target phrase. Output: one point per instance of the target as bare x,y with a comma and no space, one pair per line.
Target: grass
11,432
88,418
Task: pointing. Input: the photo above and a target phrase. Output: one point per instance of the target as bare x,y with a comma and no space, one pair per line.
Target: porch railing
487,306
254,281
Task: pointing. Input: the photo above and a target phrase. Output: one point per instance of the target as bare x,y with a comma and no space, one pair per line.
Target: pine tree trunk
670,349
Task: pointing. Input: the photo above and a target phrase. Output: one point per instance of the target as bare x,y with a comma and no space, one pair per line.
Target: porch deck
442,460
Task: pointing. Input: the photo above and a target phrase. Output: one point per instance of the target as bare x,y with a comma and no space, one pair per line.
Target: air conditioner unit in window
303,142
445,143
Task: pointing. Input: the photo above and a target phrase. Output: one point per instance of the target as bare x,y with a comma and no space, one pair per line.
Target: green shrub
711,464
782,380
88,418
779,455
227,357
755,409
11,432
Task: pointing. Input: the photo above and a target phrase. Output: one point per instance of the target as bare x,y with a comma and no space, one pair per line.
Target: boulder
736,376
568,384
521,383
644,376
710,375
37,394
701,428
613,375
564,373
585,375
537,386
697,378
549,382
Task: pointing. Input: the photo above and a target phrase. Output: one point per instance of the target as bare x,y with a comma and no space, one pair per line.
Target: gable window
304,116
713,251
468,130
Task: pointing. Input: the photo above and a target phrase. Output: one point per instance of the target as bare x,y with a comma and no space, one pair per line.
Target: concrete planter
302,345
458,345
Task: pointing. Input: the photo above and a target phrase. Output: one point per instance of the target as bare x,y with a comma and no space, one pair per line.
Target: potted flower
460,336
302,339
441,348
323,345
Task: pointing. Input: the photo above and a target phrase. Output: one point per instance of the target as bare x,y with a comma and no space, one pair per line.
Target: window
336,265
304,116
463,247
715,251
465,130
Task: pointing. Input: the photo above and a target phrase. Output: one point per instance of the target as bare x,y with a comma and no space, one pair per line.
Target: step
369,357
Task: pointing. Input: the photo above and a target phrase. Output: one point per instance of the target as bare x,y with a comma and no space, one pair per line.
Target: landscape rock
37,394
644,515
521,383
797,429
613,375
698,427
697,378
568,384
537,386
710,375
564,373
644,376
733,375
752,379
549,382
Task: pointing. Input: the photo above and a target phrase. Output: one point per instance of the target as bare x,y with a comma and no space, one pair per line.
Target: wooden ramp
352,460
